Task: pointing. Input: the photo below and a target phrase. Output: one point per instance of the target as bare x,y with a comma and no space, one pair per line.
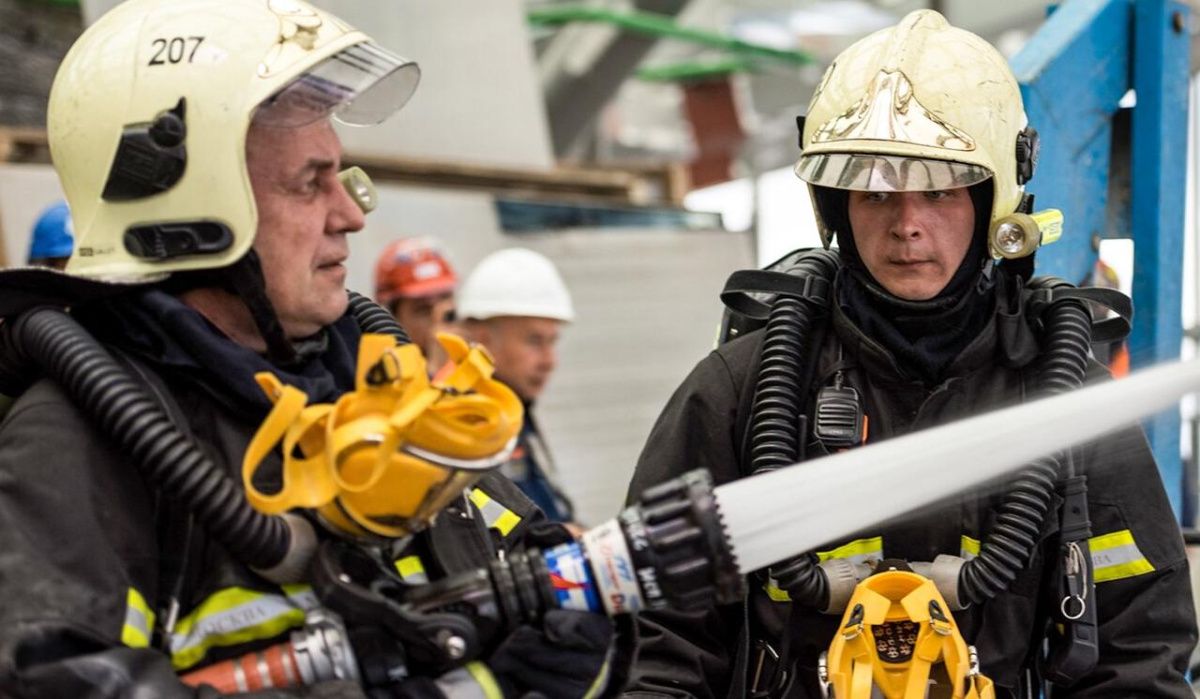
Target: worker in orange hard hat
415,281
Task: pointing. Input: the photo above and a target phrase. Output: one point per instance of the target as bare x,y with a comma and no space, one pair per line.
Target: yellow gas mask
898,640
387,457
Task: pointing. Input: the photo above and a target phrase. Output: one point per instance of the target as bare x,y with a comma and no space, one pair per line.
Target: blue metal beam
1159,164
1073,74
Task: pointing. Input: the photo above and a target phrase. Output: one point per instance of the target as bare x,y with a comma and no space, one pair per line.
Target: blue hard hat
53,234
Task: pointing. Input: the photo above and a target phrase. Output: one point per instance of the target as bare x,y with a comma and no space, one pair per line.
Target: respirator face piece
384,459
898,639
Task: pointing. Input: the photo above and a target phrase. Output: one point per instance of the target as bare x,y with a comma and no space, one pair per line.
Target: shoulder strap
178,526
1041,293
745,289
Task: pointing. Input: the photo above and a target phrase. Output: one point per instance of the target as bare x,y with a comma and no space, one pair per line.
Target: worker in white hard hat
143,551
1069,580
515,303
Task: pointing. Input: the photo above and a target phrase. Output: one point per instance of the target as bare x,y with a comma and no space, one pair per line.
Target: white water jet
777,515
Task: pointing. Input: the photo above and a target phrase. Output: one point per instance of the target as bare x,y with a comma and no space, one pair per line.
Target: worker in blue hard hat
916,150
53,238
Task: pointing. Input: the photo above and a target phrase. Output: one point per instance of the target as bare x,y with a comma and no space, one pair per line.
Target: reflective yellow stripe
483,676
858,551
969,548
411,570
234,616
495,515
1115,556
139,621
506,522
776,593
866,551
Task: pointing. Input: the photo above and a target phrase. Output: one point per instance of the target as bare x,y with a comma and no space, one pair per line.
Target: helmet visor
361,85
871,172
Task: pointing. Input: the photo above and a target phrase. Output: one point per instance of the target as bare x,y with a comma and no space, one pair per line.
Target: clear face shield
360,86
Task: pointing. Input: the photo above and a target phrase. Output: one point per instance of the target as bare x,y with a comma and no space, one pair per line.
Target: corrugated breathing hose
124,409
1062,367
788,353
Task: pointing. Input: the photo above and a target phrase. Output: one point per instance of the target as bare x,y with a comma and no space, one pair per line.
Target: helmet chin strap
245,277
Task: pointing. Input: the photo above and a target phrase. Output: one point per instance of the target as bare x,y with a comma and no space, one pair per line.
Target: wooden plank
637,185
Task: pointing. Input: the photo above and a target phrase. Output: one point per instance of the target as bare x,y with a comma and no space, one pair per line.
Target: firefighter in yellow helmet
916,151
195,144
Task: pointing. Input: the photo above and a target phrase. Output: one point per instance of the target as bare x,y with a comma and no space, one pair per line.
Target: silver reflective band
484,464
871,172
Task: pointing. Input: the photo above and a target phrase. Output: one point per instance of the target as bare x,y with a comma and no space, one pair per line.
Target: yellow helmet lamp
898,640
149,111
384,459
1019,235
921,106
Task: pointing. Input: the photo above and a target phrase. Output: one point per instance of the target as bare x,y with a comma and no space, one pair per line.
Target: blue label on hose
571,578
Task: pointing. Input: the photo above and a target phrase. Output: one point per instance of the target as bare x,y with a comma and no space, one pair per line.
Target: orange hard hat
412,268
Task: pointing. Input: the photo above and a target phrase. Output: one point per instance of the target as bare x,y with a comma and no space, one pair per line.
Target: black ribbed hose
788,351
373,318
122,408
1007,548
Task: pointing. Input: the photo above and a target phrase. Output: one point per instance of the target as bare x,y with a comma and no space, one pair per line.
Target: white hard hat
515,282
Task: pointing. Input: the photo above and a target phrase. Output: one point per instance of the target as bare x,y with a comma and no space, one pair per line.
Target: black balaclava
924,336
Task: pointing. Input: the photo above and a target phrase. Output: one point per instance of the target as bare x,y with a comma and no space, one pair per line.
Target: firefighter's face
912,242
304,214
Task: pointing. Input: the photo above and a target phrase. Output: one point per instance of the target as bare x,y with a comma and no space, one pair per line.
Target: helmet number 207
175,49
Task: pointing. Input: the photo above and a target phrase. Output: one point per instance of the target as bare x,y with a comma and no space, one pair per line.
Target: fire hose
686,544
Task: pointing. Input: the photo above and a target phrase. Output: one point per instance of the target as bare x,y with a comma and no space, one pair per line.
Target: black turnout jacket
91,554
1146,619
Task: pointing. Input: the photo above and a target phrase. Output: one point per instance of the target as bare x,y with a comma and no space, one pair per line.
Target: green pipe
696,70
663,27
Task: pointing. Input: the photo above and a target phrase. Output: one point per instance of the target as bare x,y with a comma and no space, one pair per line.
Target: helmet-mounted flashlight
360,188
1018,235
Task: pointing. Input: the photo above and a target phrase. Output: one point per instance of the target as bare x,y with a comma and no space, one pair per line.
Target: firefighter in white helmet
195,145
515,303
916,151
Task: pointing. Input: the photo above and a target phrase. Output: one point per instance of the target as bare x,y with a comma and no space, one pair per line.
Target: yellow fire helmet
898,641
384,459
921,106
149,111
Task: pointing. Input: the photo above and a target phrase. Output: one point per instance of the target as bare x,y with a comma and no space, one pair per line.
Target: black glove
567,658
